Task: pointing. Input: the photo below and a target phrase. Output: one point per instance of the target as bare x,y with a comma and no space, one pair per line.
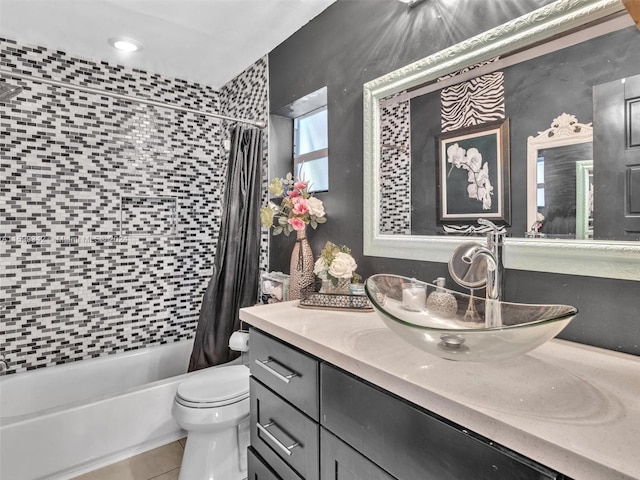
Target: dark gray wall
355,41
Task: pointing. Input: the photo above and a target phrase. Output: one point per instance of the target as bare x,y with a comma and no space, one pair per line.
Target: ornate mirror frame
591,258
564,130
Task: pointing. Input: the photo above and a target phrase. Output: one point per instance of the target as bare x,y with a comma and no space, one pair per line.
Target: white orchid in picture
479,187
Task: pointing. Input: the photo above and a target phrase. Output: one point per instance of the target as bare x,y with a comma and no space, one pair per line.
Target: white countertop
571,407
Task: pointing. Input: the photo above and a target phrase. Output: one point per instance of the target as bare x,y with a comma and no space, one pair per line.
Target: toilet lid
215,385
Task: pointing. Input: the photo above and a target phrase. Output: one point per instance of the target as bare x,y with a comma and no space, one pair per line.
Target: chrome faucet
493,255
466,269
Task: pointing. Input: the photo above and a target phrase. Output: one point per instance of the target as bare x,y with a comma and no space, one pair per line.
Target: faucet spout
480,251
494,272
466,269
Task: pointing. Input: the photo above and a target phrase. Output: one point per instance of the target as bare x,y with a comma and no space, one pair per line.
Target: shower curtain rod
99,91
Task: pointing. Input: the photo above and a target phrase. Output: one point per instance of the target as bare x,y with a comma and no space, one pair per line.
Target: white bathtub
61,421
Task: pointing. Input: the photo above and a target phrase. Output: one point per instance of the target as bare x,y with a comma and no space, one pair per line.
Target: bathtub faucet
4,366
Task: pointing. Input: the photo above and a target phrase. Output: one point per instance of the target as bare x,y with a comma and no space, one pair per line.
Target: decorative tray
332,301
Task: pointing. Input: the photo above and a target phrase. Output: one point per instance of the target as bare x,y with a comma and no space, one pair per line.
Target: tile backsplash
109,207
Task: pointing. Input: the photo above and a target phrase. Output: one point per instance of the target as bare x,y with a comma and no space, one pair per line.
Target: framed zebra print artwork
474,174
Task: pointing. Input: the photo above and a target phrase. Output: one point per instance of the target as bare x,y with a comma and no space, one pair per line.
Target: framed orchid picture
474,174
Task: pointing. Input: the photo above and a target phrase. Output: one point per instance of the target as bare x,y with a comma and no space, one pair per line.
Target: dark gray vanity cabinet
285,433
410,443
313,421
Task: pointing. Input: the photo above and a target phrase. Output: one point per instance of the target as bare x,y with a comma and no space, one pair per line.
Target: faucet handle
489,223
497,234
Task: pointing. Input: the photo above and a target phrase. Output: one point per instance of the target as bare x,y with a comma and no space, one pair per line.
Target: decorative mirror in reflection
560,180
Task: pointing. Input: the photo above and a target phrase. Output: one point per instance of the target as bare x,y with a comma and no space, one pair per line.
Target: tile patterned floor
162,463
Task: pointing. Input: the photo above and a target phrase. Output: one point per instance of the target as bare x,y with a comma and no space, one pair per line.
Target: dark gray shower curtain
235,279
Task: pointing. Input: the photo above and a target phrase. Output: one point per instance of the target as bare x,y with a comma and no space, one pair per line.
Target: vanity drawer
283,436
258,470
341,462
410,443
288,372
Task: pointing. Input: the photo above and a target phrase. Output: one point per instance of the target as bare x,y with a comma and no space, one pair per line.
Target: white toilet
213,407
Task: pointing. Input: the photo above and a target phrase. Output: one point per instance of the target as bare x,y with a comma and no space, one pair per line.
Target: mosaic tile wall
247,96
395,169
80,170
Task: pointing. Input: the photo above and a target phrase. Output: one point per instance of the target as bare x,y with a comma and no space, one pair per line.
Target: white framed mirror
560,180
562,23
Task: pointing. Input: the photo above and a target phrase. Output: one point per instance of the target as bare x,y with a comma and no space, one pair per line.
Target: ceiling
203,41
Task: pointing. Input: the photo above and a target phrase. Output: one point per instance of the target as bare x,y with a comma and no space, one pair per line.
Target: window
310,149
300,130
540,183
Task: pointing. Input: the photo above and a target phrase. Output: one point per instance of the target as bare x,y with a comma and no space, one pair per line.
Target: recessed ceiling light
125,44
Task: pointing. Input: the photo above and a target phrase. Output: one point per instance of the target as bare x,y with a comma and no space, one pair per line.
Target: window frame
315,154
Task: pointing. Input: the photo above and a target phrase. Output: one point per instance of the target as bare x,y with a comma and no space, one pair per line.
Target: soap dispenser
441,302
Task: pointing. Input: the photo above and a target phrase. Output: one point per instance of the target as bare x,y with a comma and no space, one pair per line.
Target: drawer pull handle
265,364
286,450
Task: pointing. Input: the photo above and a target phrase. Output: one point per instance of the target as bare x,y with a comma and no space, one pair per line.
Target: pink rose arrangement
297,209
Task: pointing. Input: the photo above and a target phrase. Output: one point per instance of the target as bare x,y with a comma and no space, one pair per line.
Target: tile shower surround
110,208
246,96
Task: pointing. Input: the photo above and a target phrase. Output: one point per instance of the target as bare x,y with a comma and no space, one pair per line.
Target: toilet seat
214,387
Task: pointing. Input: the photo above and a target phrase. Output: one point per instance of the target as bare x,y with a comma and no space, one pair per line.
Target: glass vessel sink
457,326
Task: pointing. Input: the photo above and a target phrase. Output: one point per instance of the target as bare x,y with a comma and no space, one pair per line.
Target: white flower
343,266
474,159
315,206
485,189
472,190
456,155
486,200
482,178
320,266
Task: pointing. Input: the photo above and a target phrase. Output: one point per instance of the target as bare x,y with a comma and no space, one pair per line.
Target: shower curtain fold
235,279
